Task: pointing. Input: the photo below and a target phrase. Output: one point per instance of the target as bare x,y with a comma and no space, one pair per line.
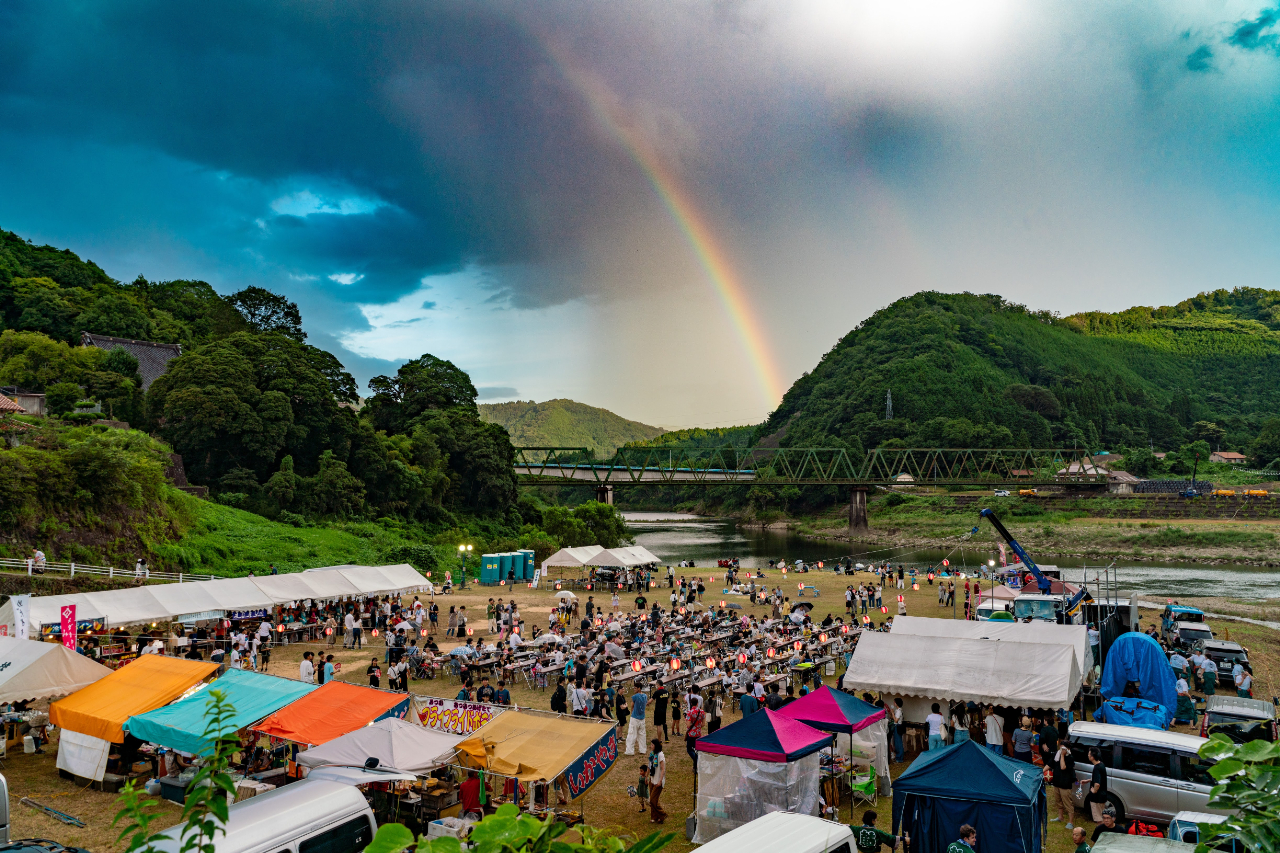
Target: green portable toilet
489,567
506,564
530,567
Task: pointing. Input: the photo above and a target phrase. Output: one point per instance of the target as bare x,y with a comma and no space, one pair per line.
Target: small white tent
394,742
996,672
30,669
574,558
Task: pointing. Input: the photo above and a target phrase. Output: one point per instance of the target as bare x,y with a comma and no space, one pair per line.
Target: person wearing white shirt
349,627
235,658
307,670
937,728
757,690
264,630
995,731
1244,682
1210,676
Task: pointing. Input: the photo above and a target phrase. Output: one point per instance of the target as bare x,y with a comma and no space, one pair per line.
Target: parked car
1151,774
311,816
1002,493
794,833
1187,635
1185,827
1226,655
1239,718
38,845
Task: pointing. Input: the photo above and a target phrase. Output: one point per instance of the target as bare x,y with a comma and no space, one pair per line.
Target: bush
61,398
286,517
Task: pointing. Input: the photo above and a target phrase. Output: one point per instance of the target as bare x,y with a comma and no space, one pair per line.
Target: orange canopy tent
150,682
332,710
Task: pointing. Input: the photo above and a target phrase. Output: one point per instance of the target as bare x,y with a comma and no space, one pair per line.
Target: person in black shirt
559,699
660,699
1097,795
1108,824
485,693
580,668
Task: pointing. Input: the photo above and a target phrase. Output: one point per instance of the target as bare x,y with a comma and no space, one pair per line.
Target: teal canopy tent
181,725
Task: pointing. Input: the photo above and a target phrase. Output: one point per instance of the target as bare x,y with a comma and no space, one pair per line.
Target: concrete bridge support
604,494
858,511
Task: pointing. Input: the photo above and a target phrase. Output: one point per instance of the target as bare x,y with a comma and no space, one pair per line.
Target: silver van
311,816
1151,774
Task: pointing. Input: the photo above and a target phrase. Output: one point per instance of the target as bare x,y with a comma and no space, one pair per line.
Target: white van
1151,774
311,816
794,833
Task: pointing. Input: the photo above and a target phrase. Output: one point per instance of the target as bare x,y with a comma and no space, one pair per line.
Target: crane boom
1042,580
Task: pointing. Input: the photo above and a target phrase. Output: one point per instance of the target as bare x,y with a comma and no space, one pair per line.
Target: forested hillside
262,418
968,370
565,423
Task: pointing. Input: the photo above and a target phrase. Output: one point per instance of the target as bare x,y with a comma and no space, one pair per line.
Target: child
374,672
642,788
676,716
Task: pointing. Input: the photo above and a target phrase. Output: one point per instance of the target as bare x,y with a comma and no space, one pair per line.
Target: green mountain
976,371
565,423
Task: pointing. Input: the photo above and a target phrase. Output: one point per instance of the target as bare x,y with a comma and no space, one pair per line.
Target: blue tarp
181,725
1137,657
1134,712
1002,798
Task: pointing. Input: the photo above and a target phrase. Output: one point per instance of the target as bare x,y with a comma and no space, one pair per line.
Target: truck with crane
1063,609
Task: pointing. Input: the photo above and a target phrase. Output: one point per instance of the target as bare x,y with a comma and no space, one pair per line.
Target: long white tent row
926,669
594,555
1048,633
205,599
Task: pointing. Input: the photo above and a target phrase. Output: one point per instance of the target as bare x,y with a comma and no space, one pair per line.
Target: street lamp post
463,551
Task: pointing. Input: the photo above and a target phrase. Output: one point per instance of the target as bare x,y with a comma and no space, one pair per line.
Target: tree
423,385
1139,462
1266,447
115,315
61,399
1208,431
605,522
265,311
1036,398
569,530
1248,793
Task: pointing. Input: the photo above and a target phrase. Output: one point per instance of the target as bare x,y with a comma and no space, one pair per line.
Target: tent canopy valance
394,742
1076,636
101,709
30,669
533,746
181,725
332,710
997,672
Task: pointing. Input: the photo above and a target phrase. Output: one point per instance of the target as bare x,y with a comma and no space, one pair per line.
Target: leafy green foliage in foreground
508,831
1249,788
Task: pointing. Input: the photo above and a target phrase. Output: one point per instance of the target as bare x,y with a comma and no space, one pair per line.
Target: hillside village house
1228,456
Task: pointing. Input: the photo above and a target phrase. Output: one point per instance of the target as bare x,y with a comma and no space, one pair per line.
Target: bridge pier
604,494
858,510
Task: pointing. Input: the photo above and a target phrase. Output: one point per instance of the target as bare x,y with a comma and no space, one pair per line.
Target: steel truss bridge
809,466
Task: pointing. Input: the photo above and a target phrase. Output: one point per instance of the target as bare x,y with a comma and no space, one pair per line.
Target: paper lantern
784,570
636,666
375,631
226,623
675,664
711,663
531,585
502,583
423,632
798,645
819,564
866,620
328,632
771,653
722,602
557,586
822,638
931,576
800,585
428,574
515,630
681,611
712,578
469,631
844,629
914,585
900,598
620,586
884,608
946,562
742,657
280,629
652,584
588,586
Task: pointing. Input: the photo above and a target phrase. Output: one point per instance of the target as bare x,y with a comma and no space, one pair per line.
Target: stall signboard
202,616
249,614
21,616
591,766
449,715
68,626
83,627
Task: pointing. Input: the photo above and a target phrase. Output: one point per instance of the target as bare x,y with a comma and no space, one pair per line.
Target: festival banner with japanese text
592,764
68,613
450,715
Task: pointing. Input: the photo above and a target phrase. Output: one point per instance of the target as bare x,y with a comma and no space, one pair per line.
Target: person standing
868,839
1244,683
657,779
636,737
968,838
374,672
559,697
1063,767
1078,836
661,698
1096,798
1023,741
995,731
306,669
937,727
895,711
693,721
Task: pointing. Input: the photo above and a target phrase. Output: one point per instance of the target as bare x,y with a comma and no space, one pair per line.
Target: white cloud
307,202
346,277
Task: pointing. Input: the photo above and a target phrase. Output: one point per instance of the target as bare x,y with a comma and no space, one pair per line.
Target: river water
676,536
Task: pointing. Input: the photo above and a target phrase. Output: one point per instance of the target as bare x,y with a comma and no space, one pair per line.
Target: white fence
72,569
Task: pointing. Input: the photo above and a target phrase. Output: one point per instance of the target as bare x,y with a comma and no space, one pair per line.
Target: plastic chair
866,789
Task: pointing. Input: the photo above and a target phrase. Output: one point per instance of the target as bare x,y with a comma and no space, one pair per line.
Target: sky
671,210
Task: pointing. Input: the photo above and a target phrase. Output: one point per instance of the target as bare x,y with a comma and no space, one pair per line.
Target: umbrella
733,605
460,651
546,640
801,605
564,595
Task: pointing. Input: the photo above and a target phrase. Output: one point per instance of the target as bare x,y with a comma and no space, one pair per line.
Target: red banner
69,626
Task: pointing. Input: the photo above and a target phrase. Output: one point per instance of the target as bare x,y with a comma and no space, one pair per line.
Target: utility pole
888,405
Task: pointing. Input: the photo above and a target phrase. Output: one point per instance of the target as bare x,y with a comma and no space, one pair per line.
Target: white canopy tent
1076,636
128,606
574,558
185,599
998,672
405,577
285,588
329,585
45,610
369,580
30,669
626,557
238,594
394,742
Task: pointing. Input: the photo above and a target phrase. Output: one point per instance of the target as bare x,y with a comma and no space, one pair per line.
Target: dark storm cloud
1200,59
1257,33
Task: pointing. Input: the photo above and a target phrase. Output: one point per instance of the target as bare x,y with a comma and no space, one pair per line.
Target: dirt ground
607,804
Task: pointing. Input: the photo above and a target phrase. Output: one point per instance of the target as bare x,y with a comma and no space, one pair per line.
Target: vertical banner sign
69,626
592,764
21,616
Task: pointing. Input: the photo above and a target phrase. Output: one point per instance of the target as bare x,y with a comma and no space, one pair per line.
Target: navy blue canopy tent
1003,799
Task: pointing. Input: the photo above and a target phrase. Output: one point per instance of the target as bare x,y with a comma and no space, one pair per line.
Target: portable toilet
530,567
489,567
506,564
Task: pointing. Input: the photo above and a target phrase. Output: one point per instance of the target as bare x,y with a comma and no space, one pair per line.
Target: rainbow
688,218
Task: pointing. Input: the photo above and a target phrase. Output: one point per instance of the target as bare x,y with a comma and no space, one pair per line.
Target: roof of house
7,405
1229,454
153,358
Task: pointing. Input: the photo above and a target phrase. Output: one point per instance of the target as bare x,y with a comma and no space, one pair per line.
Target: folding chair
864,787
